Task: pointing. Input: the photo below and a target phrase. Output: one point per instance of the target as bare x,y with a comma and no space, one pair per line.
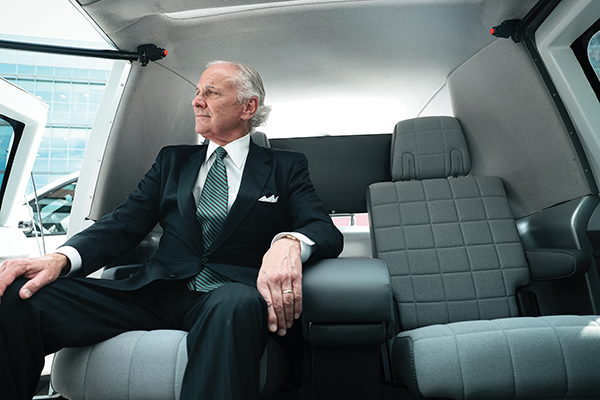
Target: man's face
220,118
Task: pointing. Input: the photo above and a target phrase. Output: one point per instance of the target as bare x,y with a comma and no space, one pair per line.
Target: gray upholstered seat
133,365
144,365
456,262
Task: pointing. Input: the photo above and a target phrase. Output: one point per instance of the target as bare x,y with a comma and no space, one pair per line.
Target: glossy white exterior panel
19,105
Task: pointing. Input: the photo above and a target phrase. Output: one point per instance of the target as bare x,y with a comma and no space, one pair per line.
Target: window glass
8,69
71,86
25,70
586,49
11,132
72,102
55,209
594,53
27,84
359,219
6,138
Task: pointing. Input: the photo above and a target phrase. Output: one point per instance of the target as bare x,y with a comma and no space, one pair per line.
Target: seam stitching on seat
437,255
184,337
130,366
85,373
462,377
562,352
445,151
414,298
390,327
495,244
462,232
414,368
510,356
418,159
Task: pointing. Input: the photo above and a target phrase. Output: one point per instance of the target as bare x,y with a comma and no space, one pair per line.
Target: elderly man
238,222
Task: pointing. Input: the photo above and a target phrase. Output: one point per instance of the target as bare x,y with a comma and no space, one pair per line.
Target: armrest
347,301
121,272
546,264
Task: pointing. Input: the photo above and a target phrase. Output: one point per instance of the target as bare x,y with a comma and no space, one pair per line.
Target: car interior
466,132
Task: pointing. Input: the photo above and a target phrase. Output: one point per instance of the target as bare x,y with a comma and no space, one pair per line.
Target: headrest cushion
429,148
260,138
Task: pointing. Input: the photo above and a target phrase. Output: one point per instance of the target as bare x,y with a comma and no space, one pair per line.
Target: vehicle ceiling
362,64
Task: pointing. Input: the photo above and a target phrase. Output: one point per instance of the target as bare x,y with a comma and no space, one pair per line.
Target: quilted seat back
449,240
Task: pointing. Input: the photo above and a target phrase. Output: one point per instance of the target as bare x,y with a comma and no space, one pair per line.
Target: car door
22,121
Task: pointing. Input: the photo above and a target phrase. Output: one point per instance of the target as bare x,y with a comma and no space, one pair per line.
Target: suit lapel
185,197
254,179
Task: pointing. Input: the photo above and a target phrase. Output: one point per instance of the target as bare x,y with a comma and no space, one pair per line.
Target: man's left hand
280,283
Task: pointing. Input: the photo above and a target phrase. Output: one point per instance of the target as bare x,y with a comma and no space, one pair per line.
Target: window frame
19,105
580,50
18,128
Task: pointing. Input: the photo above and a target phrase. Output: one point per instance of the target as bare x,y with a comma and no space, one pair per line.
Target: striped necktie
211,212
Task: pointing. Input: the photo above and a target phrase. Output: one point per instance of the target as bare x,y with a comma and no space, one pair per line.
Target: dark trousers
227,331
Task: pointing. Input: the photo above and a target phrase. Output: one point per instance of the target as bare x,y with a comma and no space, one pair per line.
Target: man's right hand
39,271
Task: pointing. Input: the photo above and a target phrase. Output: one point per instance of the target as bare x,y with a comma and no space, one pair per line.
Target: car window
73,101
6,138
72,86
54,211
9,140
594,53
586,49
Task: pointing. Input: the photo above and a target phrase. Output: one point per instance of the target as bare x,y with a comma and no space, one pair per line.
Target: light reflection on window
6,139
594,53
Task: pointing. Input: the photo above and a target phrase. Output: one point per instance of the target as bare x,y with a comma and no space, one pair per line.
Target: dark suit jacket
165,196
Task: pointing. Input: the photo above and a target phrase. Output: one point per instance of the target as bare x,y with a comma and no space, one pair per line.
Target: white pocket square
271,199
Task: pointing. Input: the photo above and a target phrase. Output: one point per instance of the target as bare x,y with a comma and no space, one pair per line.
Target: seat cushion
510,358
134,365
143,365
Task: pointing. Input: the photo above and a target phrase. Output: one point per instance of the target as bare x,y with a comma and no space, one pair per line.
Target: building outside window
72,87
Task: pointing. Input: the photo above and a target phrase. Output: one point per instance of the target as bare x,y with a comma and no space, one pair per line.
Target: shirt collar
236,150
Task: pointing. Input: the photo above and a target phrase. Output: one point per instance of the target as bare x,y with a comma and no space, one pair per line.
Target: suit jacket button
204,259
172,276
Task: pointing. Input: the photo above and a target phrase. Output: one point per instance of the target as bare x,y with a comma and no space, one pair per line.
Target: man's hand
280,283
40,271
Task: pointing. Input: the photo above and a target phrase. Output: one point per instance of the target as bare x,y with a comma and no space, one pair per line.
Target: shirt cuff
73,255
307,246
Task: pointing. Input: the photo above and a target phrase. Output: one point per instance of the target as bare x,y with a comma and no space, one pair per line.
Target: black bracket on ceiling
150,52
145,53
508,28
520,29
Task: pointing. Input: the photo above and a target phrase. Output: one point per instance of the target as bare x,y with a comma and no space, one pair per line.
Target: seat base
511,358
142,365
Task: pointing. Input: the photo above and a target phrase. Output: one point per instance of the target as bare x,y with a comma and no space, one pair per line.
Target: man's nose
199,101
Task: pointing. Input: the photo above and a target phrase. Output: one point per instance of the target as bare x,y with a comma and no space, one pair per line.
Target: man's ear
250,109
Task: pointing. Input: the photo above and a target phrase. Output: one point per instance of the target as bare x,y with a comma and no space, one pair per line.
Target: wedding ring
287,291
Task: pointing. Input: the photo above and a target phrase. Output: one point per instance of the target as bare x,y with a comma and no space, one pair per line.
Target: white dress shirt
235,161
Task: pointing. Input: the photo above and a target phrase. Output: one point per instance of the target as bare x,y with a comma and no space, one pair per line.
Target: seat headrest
260,139
429,148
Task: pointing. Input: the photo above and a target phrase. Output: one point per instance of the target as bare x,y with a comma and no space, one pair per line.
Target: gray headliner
405,50
303,51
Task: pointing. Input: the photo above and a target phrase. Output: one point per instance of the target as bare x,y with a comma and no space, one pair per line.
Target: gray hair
249,84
